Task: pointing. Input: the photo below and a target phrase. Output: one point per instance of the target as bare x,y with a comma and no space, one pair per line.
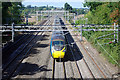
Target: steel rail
23,57
87,66
15,42
92,60
20,41
53,71
86,63
28,52
64,70
74,59
7,65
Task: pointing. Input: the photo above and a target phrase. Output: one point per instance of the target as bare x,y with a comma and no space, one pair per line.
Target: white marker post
118,33
27,19
37,16
68,16
13,32
81,32
114,31
74,17
41,16
65,16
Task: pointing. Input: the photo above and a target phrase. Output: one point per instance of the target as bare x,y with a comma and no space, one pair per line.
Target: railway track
103,75
64,69
92,61
73,55
9,49
10,68
13,49
53,70
17,41
75,52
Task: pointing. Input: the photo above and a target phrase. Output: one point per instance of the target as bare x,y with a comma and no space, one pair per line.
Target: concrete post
49,14
41,15
118,33
65,15
74,17
26,19
37,16
68,16
81,32
13,32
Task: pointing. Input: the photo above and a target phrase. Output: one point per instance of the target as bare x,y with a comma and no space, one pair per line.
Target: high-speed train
57,44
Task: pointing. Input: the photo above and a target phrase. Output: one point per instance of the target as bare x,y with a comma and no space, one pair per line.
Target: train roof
57,32
58,37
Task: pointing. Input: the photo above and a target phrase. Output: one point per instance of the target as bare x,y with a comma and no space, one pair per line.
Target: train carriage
57,46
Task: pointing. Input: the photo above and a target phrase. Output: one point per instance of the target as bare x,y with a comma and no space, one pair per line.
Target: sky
55,3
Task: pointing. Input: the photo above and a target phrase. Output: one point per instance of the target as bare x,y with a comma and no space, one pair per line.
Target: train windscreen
58,45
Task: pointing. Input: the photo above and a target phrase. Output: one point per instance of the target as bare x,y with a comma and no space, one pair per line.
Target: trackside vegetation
11,12
103,13
104,46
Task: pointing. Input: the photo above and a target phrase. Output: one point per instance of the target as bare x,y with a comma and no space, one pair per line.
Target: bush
112,49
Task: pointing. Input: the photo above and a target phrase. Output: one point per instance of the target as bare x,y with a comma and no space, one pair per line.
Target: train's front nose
58,52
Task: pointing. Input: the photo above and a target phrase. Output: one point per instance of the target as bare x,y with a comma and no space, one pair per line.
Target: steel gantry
54,13
50,13
49,28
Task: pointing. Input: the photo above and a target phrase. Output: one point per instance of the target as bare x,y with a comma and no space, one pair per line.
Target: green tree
102,15
68,7
11,12
5,12
29,6
102,12
92,5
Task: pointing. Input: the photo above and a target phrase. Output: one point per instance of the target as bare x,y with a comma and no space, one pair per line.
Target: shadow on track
33,69
75,49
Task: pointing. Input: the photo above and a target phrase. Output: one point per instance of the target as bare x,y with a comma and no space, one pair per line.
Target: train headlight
52,50
64,50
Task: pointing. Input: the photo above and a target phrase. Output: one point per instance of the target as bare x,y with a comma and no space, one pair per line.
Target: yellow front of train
58,54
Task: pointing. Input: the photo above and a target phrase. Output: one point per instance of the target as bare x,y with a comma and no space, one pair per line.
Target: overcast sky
56,3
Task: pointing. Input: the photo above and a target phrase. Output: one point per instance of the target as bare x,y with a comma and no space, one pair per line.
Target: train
57,44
